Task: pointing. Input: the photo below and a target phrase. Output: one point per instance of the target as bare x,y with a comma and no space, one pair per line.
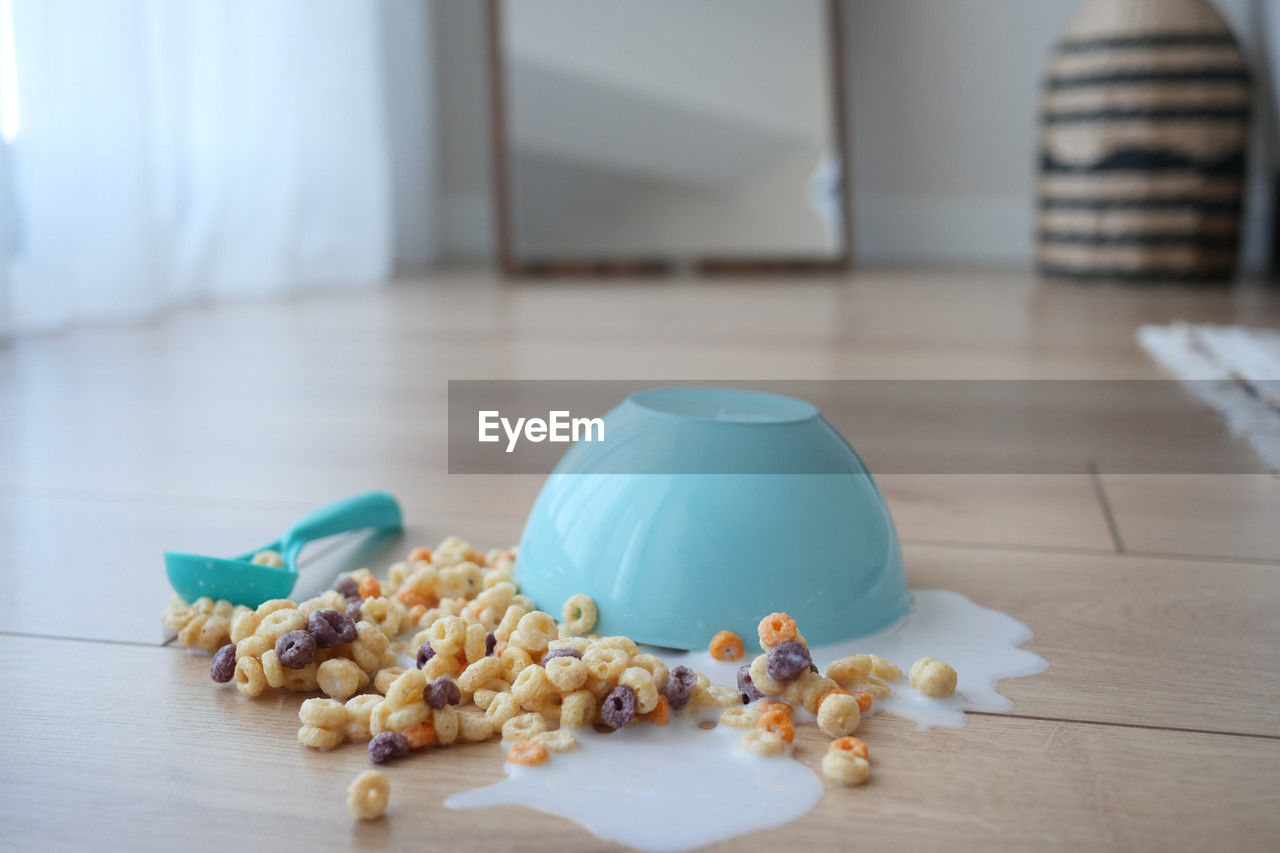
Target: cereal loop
781,707
579,614
423,734
779,724
849,744
727,646
776,628
864,700
527,753
368,794
369,588
661,713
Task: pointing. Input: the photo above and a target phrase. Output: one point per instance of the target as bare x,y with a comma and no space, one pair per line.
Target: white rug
1230,368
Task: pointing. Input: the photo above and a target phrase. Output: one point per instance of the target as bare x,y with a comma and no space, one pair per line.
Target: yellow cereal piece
642,683
474,727
605,662
838,715
577,709
566,674
742,717
534,631
884,669
248,676
358,710
480,673
272,669
446,721
845,768
523,727
280,622
243,625
510,620
531,685
474,645
849,668
340,678
762,742
760,677
933,678
382,681
368,794
656,667
316,737
557,741
579,614
503,707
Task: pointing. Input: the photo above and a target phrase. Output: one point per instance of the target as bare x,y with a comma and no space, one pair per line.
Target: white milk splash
681,786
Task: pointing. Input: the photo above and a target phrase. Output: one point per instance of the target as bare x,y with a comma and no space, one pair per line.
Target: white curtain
165,152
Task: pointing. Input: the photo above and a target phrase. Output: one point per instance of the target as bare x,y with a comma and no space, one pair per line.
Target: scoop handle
372,509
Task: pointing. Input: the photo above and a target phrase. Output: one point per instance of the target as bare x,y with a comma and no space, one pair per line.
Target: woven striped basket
1143,134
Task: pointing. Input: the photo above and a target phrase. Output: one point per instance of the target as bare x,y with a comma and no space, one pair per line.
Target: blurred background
164,153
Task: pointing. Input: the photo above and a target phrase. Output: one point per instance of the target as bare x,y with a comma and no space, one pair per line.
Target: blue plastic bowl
781,514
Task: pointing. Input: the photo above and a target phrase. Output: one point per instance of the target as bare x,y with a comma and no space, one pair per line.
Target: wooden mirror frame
656,265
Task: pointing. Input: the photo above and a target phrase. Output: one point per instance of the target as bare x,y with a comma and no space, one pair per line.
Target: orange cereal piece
499,647
768,705
478,559
417,612
411,598
776,628
849,744
420,555
369,588
727,646
864,700
423,734
778,723
661,713
528,753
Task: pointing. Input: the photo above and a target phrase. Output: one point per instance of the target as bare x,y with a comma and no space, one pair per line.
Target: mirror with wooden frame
634,136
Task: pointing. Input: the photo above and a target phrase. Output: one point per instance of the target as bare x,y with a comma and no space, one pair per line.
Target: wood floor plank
1215,515
1146,641
1046,510
1114,628
148,751
101,561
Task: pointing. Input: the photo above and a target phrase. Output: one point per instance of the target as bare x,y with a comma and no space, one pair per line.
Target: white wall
942,102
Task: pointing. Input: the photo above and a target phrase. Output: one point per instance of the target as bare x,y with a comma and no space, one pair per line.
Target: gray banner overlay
896,426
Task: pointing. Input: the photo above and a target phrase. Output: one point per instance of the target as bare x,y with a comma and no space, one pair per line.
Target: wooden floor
1155,597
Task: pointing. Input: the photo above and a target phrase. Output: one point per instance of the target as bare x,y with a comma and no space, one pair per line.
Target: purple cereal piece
787,660
746,686
330,628
813,667
347,586
561,653
386,746
223,666
619,707
490,641
443,691
425,654
296,649
679,687
354,611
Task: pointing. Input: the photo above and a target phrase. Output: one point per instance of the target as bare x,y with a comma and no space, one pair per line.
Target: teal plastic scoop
241,581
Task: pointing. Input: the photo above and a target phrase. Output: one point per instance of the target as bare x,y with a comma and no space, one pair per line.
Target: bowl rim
751,408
